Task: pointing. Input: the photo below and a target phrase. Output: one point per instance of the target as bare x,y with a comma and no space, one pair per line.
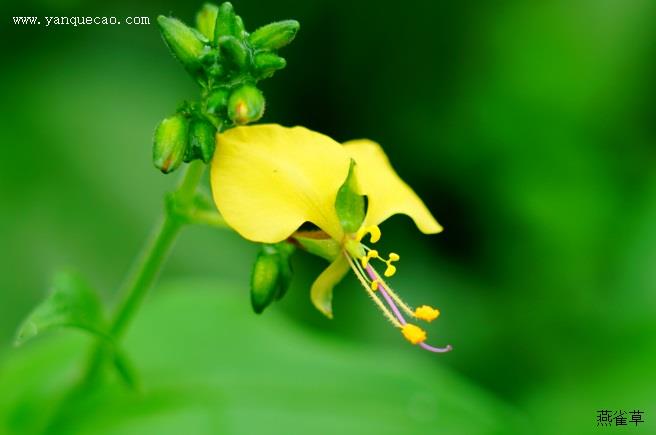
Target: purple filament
381,287
430,348
383,291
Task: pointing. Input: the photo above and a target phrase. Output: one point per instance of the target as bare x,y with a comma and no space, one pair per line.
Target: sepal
349,204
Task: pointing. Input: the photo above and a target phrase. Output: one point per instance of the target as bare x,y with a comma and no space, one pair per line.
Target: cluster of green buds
227,62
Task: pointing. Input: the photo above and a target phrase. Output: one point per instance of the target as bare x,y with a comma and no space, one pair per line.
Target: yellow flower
268,180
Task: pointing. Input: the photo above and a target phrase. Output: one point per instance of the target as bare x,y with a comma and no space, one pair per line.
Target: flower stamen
363,280
373,284
372,230
426,313
371,253
413,333
405,307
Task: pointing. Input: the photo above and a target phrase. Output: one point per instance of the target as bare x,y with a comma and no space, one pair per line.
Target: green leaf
349,203
209,367
72,302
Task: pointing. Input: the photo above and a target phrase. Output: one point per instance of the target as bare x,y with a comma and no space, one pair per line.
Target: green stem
149,264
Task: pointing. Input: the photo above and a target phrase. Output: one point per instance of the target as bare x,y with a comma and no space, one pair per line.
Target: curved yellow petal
321,292
267,180
387,194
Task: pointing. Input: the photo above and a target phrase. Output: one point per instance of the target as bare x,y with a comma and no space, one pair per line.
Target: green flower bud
201,141
209,56
240,30
234,51
275,35
266,63
246,104
227,23
186,44
170,143
218,101
285,250
264,279
215,70
206,19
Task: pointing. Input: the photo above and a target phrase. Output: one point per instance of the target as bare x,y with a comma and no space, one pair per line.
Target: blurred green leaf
72,302
210,366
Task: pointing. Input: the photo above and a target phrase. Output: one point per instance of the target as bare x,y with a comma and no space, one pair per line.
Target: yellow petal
387,193
321,292
267,180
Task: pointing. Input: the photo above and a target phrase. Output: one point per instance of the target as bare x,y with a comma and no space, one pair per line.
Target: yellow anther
390,271
371,254
374,285
413,333
373,231
427,313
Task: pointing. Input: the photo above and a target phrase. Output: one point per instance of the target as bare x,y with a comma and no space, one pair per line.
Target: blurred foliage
247,376
527,128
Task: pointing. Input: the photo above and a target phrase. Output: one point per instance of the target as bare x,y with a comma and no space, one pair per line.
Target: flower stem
147,267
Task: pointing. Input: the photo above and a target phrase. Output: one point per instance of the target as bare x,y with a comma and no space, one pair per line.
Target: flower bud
246,104
217,101
275,35
285,250
185,43
201,141
170,143
227,23
266,63
264,279
234,51
206,19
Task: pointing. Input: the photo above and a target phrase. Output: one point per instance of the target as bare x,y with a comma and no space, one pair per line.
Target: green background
527,128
